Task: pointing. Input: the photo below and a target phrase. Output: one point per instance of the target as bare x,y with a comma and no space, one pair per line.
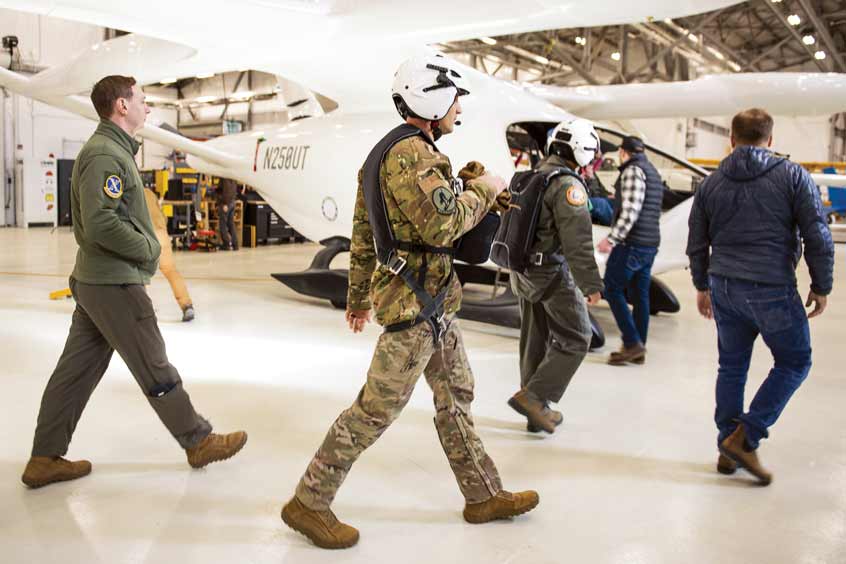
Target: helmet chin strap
436,130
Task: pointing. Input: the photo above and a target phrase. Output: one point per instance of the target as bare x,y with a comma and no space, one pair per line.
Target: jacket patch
444,200
576,196
113,187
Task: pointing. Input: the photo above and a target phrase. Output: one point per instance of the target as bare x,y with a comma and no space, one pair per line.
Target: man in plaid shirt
633,243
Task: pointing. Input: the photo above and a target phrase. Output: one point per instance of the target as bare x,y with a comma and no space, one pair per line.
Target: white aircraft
346,51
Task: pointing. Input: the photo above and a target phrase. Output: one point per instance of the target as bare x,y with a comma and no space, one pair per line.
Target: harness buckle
537,259
396,264
439,327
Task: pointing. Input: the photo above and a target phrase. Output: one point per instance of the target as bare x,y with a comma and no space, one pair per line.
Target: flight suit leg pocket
139,302
155,373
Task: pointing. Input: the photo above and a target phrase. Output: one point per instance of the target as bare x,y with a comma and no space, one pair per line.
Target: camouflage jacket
413,178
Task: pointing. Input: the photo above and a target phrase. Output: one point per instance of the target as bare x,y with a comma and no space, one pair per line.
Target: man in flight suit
555,330
118,253
417,184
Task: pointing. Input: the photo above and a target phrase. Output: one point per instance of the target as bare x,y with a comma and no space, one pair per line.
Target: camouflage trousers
397,363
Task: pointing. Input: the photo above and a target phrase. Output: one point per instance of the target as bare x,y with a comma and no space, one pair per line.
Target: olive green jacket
117,243
564,227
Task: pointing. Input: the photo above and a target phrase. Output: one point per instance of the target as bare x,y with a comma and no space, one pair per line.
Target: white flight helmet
426,86
579,135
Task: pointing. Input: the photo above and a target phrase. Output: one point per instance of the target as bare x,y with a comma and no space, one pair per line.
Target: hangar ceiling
754,36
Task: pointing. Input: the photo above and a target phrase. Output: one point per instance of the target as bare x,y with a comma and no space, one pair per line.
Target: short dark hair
632,144
108,90
752,127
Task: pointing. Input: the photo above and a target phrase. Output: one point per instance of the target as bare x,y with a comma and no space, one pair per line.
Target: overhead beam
754,62
822,31
673,44
571,62
793,32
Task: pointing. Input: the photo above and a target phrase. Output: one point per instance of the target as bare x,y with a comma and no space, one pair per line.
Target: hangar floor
628,479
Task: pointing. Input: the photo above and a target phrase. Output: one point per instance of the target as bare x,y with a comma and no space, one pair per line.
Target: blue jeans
630,265
602,211
743,310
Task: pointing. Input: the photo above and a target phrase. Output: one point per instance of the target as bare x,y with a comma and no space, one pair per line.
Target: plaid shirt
632,194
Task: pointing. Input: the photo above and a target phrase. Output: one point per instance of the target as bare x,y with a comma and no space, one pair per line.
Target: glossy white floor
628,479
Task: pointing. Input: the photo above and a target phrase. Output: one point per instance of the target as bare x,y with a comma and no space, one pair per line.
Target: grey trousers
107,319
555,336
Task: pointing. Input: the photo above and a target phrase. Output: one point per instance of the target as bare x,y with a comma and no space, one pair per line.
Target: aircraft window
526,141
677,175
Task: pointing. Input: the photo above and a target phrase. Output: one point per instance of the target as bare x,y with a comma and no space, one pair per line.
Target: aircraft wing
343,49
79,105
715,95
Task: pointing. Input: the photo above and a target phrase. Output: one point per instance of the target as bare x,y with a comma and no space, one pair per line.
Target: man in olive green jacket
554,291
118,254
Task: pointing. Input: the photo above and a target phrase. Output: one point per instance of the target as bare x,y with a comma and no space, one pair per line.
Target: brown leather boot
726,465
635,354
555,416
321,527
533,409
43,470
501,506
215,448
733,448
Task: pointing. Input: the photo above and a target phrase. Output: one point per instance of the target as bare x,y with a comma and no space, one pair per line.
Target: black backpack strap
387,245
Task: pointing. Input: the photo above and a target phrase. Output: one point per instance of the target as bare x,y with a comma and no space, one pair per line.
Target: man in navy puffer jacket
748,223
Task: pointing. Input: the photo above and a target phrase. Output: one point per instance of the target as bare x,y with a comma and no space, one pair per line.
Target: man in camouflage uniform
555,330
416,181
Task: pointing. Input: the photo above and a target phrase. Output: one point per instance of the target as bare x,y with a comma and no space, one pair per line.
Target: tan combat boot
215,448
635,354
321,527
533,410
501,506
556,417
726,465
43,470
733,448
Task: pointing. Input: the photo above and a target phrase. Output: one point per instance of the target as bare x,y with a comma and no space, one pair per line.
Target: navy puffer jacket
753,214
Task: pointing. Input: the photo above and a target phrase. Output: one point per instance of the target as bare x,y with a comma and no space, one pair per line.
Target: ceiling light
205,75
735,67
167,81
693,37
819,55
581,40
615,55
488,40
204,99
776,1
809,40
541,60
243,95
794,19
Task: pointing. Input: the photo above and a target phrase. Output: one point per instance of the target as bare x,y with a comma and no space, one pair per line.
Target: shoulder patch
576,196
113,186
443,200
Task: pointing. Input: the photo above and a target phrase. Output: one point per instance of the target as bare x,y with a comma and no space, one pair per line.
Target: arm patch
444,200
113,187
576,196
